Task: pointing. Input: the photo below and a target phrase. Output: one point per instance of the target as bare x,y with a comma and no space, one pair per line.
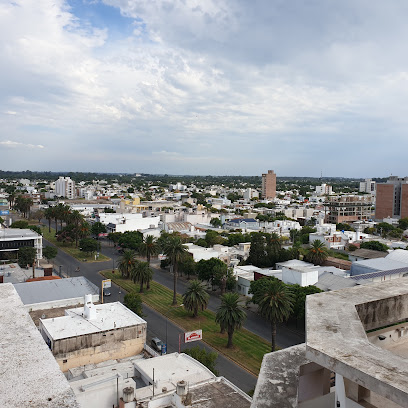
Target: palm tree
317,253
276,305
175,251
149,248
49,215
195,297
141,272
77,219
229,315
127,262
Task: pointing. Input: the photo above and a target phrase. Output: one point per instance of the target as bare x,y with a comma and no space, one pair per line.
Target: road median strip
71,250
248,349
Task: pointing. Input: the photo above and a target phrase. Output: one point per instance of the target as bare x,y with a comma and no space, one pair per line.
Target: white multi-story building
368,186
65,187
324,189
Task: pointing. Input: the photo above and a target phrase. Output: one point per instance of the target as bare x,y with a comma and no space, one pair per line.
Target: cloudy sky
205,86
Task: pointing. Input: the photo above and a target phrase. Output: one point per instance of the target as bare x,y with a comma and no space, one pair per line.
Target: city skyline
213,88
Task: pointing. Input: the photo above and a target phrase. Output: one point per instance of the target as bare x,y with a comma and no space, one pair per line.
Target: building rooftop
109,316
17,233
336,326
52,290
368,253
30,376
380,264
399,255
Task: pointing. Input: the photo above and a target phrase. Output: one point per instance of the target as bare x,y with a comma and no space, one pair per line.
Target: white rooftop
17,233
30,376
109,316
171,368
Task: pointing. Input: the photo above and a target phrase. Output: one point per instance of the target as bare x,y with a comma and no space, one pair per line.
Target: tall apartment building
348,208
368,186
324,189
392,198
269,185
65,187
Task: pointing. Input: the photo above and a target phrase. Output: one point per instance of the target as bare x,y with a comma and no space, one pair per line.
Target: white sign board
161,257
193,336
107,283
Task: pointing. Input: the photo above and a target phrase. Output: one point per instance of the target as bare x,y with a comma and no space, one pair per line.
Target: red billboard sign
193,336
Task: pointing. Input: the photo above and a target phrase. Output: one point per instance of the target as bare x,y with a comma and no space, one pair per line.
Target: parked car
106,292
156,344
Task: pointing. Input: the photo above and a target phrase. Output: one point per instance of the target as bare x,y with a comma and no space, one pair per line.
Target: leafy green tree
317,253
175,251
213,238
88,245
98,228
187,266
50,252
22,224
230,315
299,299
26,256
35,228
206,358
403,223
211,270
257,253
216,222
396,233
133,301
1,220
127,262
130,240
374,245
341,226
195,298
276,305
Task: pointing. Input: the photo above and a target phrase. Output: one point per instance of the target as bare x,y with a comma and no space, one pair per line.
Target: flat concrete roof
17,233
29,374
218,393
51,290
109,316
171,368
336,337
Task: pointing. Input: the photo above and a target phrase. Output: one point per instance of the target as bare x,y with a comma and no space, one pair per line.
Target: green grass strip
70,248
248,349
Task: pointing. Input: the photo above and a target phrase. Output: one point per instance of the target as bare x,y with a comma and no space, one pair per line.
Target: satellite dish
43,316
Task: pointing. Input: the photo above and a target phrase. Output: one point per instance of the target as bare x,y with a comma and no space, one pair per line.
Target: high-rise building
65,187
392,198
269,185
368,186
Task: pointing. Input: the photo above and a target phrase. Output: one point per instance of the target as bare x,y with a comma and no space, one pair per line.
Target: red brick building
392,198
269,185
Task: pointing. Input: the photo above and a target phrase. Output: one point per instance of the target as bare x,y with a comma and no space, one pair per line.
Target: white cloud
10,143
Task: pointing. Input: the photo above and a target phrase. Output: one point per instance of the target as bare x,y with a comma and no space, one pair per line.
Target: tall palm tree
276,305
230,315
76,218
148,248
175,251
141,272
127,262
317,253
195,297
49,215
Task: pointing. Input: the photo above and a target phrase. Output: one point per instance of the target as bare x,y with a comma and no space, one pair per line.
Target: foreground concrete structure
30,376
350,359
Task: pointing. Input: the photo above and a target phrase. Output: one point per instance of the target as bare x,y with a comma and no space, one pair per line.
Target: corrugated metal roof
378,274
48,291
381,264
399,255
328,281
